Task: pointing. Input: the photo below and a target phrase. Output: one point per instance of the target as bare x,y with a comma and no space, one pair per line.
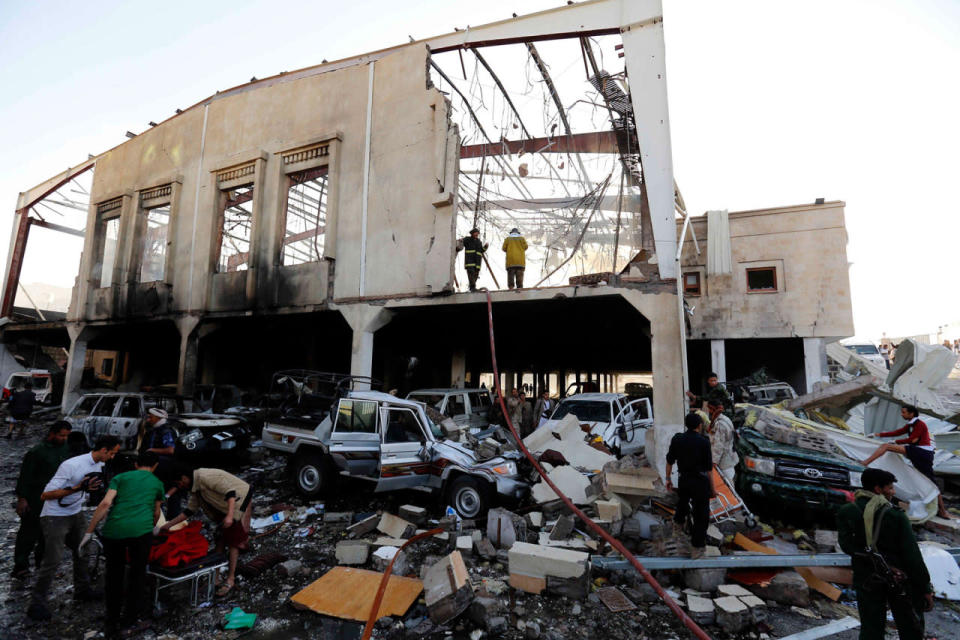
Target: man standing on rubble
526,416
721,440
20,407
887,566
715,391
225,499
515,409
473,251
690,451
39,465
917,446
515,246
543,408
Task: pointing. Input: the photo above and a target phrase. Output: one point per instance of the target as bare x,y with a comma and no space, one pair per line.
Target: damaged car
468,408
794,482
619,422
393,444
199,435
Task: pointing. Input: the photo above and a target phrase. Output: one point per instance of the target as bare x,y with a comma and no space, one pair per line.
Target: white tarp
943,569
917,371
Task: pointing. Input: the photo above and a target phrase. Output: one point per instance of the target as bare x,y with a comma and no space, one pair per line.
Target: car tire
468,497
310,474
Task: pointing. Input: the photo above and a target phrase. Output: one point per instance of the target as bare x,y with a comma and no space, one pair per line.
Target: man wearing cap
473,251
515,246
161,439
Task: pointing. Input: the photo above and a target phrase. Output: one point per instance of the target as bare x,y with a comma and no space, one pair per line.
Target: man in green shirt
133,501
716,392
38,467
871,525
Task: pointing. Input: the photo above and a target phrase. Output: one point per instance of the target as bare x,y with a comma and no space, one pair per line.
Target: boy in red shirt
916,446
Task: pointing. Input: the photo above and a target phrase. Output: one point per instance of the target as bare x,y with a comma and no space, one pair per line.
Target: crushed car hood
771,448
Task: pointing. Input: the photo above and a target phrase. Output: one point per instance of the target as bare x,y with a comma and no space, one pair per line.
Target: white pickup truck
618,421
392,443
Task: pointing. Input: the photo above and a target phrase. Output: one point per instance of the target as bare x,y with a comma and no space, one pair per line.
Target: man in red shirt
916,446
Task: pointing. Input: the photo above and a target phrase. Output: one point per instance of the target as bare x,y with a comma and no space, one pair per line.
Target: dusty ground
312,542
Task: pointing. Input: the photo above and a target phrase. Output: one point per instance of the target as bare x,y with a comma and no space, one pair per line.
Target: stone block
787,587
502,528
365,526
530,584
826,541
352,552
563,528
540,561
632,485
609,510
701,610
757,607
383,556
483,609
464,544
570,481
290,567
704,579
573,588
416,515
732,614
447,589
485,549
714,536
535,519
395,527
732,590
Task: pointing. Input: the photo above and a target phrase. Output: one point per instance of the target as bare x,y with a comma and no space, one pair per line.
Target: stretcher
725,505
204,568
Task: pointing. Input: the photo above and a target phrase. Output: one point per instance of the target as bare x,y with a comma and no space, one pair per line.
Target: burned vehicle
468,408
199,435
392,443
795,483
620,422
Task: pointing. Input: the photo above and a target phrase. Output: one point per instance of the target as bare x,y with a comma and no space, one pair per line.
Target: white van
42,384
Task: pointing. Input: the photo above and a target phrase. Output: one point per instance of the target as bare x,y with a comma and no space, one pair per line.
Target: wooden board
813,581
348,593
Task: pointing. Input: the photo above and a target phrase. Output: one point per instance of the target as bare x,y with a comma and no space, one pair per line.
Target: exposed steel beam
58,227
16,263
594,142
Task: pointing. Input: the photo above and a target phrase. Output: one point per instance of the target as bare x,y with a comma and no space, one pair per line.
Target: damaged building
311,220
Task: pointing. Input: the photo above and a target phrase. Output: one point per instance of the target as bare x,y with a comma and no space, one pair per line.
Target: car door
404,457
479,409
101,417
126,423
79,416
456,409
634,417
355,439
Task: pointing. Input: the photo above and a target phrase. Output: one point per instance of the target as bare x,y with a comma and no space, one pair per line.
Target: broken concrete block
640,525
609,510
502,528
570,481
290,567
383,556
714,536
732,590
464,544
447,589
826,541
701,610
732,614
535,519
563,528
488,449
626,508
787,587
704,579
757,607
630,484
483,609
395,527
476,535
416,515
387,541
485,549
566,438
573,588
531,564
365,526
352,552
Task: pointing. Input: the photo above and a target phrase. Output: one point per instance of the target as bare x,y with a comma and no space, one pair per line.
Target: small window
105,408
305,217
236,216
130,407
106,367
357,416
402,426
762,279
154,259
85,407
456,406
691,283
108,259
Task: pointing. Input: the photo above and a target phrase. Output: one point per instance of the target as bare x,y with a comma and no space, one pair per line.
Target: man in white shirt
63,523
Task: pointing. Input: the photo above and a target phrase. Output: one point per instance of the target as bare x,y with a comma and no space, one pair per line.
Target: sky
771,103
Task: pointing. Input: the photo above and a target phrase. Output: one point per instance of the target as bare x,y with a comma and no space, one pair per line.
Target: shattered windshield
431,399
864,349
584,410
434,417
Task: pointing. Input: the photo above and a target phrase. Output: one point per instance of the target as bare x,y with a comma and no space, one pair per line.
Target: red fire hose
616,544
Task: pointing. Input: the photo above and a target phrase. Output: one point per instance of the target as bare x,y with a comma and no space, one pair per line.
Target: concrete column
814,361
718,359
458,369
187,367
364,320
80,335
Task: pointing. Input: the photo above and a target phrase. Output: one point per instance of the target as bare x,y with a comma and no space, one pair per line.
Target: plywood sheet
813,581
348,593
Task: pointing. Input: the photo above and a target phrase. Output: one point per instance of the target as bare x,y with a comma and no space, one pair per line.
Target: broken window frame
109,215
772,270
308,157
150,201
695,290
244,175
230,199
292,180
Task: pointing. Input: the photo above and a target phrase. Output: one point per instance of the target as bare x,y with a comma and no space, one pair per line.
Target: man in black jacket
473,251
690,451
905,587
21,406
